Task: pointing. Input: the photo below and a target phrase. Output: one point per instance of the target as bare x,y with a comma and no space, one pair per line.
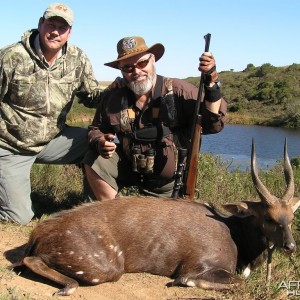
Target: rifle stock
192,168
193,153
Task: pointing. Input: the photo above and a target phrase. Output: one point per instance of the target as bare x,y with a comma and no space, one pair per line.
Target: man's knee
90,173
101,189
19,217
24,218
15,201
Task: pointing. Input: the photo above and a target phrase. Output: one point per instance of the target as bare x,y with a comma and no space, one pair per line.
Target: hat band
132,51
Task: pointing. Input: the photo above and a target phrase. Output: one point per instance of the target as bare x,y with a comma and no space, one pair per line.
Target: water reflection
233,144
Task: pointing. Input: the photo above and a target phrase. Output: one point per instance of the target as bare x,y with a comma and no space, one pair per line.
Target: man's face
139,73
54,33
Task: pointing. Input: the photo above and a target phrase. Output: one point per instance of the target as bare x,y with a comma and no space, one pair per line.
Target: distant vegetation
264,95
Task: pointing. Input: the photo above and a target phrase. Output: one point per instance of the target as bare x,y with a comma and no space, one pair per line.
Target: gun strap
158,87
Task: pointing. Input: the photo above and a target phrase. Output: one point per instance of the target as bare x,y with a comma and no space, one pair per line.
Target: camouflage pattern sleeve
4,77
90,90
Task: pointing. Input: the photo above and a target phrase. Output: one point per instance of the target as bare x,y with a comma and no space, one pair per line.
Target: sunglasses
140,65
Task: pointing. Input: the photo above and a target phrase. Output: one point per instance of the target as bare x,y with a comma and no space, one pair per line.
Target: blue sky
249,31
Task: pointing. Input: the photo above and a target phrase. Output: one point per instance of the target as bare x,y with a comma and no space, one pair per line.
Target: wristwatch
218,83
214,85
213,93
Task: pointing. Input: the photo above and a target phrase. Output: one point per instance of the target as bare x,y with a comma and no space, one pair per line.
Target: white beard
142,88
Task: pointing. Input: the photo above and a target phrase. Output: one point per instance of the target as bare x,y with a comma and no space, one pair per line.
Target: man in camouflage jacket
40,77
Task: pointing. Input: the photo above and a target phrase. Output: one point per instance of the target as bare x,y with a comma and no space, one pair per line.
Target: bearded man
137,129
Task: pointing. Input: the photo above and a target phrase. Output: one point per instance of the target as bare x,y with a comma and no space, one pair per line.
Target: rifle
188,160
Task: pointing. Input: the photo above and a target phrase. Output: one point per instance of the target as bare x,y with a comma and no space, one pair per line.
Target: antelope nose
290,247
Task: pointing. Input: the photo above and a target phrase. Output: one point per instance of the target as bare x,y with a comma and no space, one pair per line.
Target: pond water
233,144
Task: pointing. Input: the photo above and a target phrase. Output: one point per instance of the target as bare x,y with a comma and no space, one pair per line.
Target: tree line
264,95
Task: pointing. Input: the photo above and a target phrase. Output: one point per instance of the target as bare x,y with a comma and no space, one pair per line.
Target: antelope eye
269,220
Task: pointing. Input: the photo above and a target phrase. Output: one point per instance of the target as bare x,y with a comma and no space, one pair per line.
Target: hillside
264,95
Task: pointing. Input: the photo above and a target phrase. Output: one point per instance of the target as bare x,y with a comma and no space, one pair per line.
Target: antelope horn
289,176
264,195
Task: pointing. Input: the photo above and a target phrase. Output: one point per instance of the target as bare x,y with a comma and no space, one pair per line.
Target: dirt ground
130,287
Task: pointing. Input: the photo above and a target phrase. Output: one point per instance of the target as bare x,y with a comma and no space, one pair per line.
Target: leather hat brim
157,49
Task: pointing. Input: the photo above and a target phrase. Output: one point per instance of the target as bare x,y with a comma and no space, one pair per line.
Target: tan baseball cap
134,45
59,10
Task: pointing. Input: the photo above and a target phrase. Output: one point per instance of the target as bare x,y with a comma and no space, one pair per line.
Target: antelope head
275,215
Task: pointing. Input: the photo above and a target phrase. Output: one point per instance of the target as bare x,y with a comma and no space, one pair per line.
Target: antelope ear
243,209
295,203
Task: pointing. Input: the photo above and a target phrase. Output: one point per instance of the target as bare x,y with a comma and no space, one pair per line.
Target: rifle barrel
195,143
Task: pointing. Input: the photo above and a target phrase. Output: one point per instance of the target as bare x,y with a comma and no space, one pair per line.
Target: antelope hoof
67,291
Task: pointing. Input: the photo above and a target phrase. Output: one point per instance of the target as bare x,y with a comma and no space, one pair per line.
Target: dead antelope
186,241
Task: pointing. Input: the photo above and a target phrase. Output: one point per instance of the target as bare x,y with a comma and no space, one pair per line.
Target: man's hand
117,83
105,145
207,65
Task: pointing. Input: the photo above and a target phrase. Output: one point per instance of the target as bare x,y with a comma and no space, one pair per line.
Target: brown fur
98,242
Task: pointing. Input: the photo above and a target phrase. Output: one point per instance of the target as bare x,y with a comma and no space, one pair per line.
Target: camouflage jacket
35,98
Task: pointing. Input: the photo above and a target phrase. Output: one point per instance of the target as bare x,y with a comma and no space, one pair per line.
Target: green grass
56,187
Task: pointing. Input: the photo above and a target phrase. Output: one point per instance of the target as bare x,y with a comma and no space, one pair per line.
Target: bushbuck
187,241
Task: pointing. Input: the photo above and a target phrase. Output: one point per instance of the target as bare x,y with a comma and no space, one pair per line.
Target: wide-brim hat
134,45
